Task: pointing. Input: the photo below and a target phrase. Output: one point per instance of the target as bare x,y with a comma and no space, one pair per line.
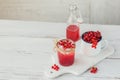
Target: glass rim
65,50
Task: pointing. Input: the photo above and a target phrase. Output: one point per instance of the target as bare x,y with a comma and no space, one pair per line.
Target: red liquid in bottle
72,32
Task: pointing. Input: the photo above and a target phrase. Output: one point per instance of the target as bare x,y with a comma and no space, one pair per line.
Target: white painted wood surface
28,38
95,11
105,11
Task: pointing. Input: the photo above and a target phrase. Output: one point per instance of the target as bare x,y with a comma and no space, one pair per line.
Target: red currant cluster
92,37
55,67
66,43
93,70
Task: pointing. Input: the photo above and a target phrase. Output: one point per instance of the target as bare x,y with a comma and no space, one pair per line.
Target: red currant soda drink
66,52
72,32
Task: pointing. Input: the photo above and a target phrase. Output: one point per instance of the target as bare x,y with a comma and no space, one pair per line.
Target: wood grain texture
93,11
105,11
27,38
41,10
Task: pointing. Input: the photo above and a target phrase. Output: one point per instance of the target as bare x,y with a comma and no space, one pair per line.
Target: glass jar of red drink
72,32
66,52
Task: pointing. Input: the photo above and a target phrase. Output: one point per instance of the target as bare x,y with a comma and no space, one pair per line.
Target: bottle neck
73,15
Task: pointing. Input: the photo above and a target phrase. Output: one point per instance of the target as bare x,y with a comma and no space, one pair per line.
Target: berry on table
55,67
93,70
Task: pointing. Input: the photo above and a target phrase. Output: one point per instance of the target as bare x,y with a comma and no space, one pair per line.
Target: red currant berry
55,67
93,70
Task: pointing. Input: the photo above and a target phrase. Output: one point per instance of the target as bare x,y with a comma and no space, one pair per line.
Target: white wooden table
23,41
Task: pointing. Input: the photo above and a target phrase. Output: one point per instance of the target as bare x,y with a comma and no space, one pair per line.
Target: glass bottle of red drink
73,30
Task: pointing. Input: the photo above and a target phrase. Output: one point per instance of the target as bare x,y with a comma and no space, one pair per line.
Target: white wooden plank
101,11
53,30
105,11
24,46
20,48
41,10
34,29
105,72
43,29
40,29
9,44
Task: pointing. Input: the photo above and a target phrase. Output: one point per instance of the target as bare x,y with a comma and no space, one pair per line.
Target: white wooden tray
81,64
